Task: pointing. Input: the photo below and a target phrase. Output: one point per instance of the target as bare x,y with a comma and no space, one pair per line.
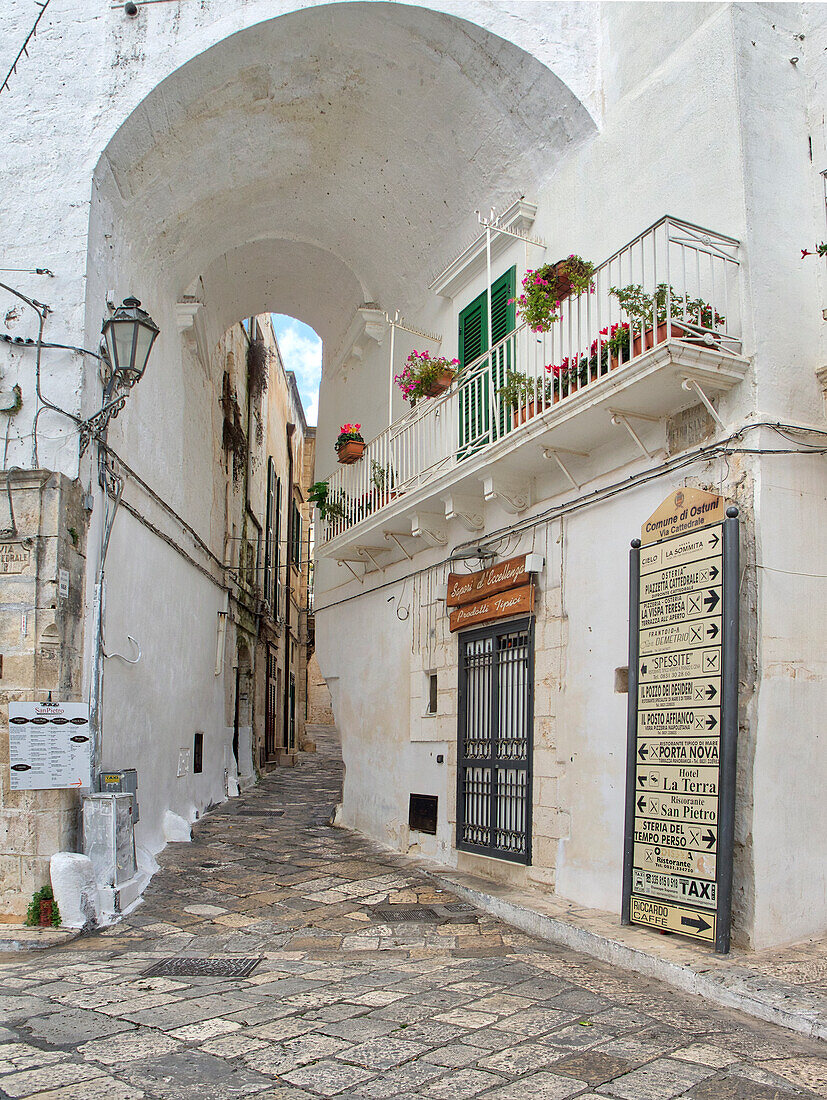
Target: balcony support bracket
390,536
510,496
465,512
692,384
619,418
429,529
340,562
555,452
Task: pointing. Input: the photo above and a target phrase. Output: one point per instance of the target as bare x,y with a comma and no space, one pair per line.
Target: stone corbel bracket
367,326
513,496
465,512
429,528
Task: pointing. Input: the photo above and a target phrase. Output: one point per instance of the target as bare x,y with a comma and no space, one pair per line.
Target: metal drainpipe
290,428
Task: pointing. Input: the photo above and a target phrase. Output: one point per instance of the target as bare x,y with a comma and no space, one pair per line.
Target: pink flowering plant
820,250
545,289
349,433
420,372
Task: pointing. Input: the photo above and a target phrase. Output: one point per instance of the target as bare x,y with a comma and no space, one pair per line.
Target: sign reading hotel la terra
498,592
683,719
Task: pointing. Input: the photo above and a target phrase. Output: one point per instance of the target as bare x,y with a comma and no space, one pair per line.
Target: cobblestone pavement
348,1002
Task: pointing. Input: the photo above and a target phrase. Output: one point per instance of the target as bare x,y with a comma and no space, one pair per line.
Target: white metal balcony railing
691,273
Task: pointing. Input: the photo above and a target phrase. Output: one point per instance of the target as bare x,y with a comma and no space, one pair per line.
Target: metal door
496,675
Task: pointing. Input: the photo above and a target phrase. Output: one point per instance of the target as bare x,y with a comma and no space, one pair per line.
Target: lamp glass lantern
129,334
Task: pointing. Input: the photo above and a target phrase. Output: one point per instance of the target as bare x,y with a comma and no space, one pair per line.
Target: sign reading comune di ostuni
683,719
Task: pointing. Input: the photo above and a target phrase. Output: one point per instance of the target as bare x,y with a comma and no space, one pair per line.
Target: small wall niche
422,813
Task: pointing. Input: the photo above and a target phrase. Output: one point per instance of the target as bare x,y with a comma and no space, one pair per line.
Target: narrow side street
348,999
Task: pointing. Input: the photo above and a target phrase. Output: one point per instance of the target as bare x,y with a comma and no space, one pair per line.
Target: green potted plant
650,311
330,506
43,910
425,375
350,445
383,480
547,287
522,394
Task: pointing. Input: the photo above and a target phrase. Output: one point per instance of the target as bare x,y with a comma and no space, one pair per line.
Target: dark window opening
422,813
432,693
198,752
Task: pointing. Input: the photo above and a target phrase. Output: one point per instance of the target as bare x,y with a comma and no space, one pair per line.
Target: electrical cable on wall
23,51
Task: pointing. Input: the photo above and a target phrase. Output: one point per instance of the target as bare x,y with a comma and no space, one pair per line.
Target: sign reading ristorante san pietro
682,727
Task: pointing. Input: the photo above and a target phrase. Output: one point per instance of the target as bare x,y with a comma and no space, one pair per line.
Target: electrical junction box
123,781
108,839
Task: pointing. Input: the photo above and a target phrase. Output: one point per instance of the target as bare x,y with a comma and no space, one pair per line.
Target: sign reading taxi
683,719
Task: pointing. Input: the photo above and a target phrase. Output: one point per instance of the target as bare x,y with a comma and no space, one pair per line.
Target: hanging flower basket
425,376
546,288
350,445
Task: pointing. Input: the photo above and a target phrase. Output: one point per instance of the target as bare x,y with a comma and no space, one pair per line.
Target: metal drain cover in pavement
397,913
203,968
261,813
459,907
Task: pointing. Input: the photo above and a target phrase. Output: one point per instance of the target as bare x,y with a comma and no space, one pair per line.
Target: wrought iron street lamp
129,335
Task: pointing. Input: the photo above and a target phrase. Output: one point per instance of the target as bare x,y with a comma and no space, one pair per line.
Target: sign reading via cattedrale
682,727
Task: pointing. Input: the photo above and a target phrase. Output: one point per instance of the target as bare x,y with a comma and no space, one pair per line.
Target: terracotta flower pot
441,383
562,279
350,452
532,409
648,341
46,912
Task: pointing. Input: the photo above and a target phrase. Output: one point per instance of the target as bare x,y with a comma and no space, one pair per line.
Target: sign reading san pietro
683,719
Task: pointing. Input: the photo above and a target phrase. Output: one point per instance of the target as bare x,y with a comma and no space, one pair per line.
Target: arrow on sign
643,752
714,540
643,778
708,838
711,721
712,600
641,803
644,669
696,922
78,784
710,691
712,630
713,572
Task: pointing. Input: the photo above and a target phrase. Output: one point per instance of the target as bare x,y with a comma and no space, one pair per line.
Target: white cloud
301,352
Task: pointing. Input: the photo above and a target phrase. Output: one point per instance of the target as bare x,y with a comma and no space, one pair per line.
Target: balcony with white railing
677,342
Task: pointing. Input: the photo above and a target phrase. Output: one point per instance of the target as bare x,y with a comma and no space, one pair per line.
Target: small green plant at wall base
33,912
329,507
820,250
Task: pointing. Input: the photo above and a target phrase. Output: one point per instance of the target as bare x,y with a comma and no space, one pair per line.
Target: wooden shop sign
517,601
466,588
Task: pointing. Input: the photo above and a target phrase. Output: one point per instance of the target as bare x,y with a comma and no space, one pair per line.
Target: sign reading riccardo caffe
498,592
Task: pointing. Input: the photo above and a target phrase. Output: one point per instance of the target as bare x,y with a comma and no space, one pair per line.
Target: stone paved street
347,1002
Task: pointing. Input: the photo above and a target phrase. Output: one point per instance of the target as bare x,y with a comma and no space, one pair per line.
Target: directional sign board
683,712
49,746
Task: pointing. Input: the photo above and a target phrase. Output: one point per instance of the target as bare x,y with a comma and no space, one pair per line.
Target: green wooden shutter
474,390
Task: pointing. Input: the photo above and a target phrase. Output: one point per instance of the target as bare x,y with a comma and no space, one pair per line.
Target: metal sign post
682,720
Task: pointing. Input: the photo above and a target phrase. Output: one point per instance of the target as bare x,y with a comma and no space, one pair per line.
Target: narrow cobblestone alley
348,1000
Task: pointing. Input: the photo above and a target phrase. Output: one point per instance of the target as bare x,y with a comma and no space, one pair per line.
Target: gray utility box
123,781
108,838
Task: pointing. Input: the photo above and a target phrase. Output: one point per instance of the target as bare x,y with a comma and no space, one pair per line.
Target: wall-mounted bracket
465,511
341,561
691,384
621,417
555,452
428,528
513,497
391,536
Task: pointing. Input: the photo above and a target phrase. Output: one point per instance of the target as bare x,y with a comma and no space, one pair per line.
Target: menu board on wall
50,746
